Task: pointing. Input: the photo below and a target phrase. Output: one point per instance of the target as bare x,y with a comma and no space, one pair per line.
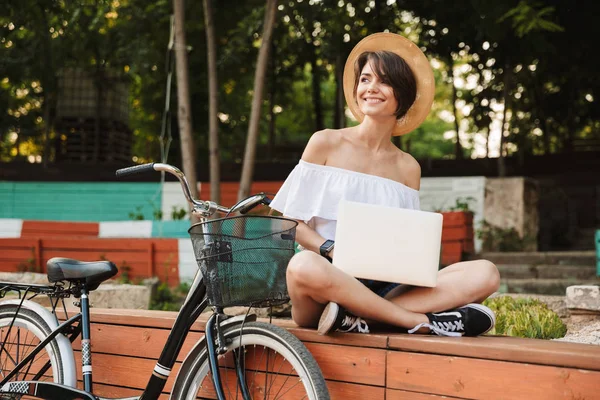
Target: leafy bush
167,299
495,238
526,317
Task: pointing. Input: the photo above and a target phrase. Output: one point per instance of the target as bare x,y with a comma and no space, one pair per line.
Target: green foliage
527,318
551,85
178,213
29,265
139,214
525,18
168,299
495,238
462,204
124,273
136,215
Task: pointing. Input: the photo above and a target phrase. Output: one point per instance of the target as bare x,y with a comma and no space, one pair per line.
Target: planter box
457,236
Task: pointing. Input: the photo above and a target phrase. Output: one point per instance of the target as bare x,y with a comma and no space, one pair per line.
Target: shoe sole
487,311
328,318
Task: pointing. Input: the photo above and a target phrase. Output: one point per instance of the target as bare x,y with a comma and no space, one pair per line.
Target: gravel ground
582,329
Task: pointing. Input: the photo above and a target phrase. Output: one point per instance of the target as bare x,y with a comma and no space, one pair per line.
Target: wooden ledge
502,348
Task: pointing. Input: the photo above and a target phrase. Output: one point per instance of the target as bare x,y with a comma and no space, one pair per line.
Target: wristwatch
326,248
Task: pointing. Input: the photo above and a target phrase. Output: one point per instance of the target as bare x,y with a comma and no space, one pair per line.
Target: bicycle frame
195,303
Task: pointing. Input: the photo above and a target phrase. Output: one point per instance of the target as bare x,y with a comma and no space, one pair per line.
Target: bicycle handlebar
136,169
205,208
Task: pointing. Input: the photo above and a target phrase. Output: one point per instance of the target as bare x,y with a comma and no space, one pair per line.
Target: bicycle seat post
86,347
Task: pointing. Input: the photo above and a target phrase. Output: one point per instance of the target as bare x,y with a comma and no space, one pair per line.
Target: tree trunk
487,143
272,97
505,100
48,83
99,79
188,149
184,119
213,105
259,80
339,119
458,150
316,88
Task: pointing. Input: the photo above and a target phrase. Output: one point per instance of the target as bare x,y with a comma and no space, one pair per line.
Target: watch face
328,245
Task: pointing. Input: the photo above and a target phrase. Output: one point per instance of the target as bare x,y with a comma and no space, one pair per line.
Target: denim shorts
378,287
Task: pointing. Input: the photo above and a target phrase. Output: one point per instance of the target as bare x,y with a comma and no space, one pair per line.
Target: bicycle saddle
92,273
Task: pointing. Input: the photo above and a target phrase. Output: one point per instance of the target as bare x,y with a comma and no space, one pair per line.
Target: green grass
526,318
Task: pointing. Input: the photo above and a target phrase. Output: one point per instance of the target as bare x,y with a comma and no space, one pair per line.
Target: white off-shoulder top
312,193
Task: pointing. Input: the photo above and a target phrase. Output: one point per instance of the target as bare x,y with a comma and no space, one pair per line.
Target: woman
389,86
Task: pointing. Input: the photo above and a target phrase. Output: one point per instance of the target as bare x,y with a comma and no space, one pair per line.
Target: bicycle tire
197,381
28,330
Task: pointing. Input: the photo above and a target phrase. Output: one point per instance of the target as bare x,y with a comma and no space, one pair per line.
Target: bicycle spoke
226,379
286,378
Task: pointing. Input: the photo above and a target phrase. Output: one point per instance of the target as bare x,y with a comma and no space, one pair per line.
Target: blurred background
90,86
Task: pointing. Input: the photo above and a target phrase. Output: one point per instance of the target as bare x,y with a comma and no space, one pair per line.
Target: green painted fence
78,201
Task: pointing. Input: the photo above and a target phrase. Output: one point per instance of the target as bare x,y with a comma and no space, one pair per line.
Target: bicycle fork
217,346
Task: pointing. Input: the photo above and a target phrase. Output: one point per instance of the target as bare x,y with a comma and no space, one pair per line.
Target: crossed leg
313,282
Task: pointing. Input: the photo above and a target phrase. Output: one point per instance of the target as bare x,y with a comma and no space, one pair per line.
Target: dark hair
392,70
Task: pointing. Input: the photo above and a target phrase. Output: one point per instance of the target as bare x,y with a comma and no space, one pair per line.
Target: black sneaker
335,318
470,320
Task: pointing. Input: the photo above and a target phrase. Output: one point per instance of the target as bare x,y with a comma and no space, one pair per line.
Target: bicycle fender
64,345
201,345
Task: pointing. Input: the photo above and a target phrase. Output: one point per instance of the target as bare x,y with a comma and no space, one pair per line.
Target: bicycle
242,261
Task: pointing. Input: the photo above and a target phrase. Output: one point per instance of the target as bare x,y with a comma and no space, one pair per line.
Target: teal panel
171,229
7,192
80,201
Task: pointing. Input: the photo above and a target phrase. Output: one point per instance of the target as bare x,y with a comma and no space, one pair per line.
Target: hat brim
417,62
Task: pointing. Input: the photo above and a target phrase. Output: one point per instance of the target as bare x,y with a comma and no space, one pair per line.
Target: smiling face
374,95
384,84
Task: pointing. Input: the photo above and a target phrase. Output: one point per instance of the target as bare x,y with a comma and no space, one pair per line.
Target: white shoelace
354,323
448,330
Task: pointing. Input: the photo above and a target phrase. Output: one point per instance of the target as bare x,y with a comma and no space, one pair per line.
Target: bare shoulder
320,146
411,168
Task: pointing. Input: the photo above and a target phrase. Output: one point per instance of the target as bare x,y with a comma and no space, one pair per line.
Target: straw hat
417,62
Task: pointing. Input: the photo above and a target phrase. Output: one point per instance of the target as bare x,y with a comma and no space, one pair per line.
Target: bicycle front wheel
272,363
19,335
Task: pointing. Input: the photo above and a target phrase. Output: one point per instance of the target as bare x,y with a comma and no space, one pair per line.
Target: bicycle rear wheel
19,340
273,363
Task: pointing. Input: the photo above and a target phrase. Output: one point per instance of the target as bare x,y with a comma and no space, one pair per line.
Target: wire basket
244,259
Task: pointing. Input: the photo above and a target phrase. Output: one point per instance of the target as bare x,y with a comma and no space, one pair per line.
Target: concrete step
587,257
542,286
532,271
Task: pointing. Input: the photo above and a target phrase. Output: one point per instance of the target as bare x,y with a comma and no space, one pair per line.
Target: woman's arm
308,237
316,152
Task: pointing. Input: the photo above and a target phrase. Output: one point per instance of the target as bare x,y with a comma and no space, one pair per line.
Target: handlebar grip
136,169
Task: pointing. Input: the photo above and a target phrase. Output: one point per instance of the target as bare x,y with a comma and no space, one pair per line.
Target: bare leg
313,282
458,284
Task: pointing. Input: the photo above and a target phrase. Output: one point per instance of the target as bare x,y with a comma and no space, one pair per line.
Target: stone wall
513,203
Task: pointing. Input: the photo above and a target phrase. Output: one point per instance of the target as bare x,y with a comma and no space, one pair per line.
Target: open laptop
388,244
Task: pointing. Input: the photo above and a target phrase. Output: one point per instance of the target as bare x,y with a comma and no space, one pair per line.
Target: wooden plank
114,392
129,372
485,379
133,341
166,319
16,254
391,394
134,373
457,233
350,364
35,228
503,348
457,218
